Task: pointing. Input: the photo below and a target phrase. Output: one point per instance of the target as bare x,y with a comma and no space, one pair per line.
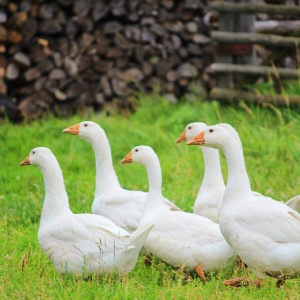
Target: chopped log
75,89
100,100
165,65
147,68
12,71
111,27
187,70
59,95
102,66
57,74
171,76
3,34
3,87
45,66
29,28
157,29
50,27
194,49
65,2
100,10
21,59
3,17
121,62
8,108
48,11
105,86
36,105
228,95
32,74
114,52
122,42
14,37
70,66
192,27
72,28
174,26
119,87
81,7
132,75
168,4
19,18
2,72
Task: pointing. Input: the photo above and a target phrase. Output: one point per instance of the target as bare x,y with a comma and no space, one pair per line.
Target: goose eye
190,127
85,125
136,150
211,130
33,152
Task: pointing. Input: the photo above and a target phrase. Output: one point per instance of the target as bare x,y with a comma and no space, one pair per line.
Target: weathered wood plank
219,68
232,95
255,38
253,8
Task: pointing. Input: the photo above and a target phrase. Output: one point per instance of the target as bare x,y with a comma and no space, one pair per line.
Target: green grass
271,143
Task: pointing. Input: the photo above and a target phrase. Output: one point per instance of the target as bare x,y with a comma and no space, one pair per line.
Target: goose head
216,136
190,131
139,154
37,157
87,130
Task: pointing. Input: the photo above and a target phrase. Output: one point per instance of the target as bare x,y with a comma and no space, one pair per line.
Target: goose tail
139,236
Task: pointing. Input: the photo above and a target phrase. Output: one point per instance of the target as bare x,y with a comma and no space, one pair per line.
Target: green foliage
271,141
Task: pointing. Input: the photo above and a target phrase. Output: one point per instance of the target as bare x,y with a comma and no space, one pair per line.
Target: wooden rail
253,8
235,62
224,94
255,38
253,70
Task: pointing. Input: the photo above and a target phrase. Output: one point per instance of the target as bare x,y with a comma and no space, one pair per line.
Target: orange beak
127,159
197,140
181,138
25,162
72,129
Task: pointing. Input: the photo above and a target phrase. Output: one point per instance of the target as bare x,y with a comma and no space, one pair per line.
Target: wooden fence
235,63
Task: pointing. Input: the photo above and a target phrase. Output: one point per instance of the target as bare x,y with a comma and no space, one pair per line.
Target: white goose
178,238
210,195
211,192
124,207
265,233
80,244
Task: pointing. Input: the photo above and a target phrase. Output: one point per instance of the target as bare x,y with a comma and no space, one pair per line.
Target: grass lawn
271,141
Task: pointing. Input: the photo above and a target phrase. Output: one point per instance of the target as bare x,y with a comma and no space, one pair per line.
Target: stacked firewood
66,55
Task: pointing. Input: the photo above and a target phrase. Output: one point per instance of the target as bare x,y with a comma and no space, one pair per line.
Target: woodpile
66,55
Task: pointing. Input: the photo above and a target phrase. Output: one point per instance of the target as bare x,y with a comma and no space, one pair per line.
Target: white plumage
178,238
265,233
211,192
80,244
124,207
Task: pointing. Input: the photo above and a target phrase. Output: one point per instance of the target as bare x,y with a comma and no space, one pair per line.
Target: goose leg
200,272
242,281
280,282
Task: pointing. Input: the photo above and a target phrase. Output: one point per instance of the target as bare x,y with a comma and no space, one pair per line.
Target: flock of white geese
228,220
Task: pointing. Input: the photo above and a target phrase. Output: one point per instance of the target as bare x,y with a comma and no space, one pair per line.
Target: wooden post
237,54
226,23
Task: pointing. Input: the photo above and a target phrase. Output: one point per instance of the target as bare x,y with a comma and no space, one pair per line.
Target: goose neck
106,177
213,176
56,199
238,180
155,198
